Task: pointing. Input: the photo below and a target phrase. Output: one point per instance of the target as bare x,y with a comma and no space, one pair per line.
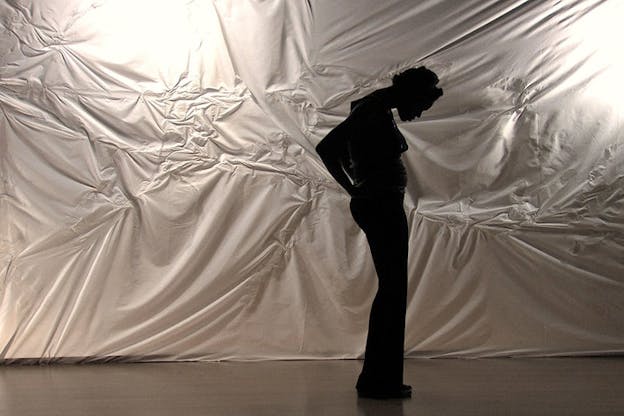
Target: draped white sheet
160,197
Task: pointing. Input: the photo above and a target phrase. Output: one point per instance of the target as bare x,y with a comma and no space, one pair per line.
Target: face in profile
413,104
417,92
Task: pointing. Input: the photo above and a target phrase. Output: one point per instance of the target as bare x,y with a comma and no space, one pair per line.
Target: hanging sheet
160,197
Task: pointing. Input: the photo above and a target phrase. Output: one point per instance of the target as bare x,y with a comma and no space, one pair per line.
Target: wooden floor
562,386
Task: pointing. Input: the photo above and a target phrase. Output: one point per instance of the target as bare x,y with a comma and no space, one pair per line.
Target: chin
409,116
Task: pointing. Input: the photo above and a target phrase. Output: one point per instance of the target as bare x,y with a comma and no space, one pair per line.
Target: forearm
334,168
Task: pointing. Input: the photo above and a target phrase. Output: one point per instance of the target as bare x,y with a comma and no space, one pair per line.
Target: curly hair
420,77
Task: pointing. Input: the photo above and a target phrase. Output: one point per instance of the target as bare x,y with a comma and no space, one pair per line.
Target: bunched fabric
161,198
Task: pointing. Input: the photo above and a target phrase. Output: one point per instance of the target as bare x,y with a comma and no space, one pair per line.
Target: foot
402,392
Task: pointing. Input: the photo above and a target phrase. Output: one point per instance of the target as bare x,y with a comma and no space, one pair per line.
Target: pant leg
385,225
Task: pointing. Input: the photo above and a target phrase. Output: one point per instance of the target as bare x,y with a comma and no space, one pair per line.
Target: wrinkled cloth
161,198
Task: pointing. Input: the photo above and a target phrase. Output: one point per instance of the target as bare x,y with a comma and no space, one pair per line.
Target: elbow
322,150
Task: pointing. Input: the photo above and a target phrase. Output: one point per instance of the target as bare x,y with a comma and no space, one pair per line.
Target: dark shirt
374,150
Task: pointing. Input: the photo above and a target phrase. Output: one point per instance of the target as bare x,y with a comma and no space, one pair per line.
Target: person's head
415,91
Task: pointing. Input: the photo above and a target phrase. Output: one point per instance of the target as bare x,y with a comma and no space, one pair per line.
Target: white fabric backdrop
160,197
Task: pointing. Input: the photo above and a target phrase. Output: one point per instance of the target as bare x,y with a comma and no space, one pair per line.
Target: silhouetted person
363,154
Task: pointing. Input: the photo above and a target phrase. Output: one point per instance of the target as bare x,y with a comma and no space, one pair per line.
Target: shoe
402,392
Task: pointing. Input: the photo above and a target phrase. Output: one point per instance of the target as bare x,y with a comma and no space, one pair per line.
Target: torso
374,150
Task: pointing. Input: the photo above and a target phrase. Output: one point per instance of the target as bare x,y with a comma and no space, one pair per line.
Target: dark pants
383,221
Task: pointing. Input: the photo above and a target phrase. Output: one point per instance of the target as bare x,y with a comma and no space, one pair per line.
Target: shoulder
367,105
370,111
